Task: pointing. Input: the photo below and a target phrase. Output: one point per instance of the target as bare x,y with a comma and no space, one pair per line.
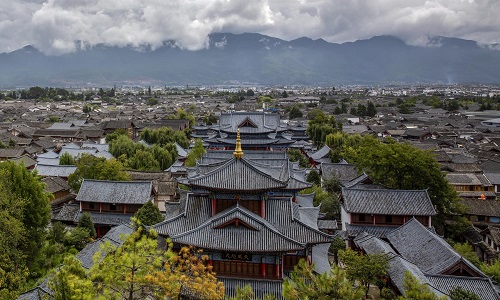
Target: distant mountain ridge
252,58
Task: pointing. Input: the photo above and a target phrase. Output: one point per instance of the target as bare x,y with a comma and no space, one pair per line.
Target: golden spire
238,153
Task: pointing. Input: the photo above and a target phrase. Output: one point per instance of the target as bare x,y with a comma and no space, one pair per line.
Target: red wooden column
263,269
124,208
100,207
263,209
214,206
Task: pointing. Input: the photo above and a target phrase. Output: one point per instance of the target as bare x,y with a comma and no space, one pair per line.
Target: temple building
242,209
259,131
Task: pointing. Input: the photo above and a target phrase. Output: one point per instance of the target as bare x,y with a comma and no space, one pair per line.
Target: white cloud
54,25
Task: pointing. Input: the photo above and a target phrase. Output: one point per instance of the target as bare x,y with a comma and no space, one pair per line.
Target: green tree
313,177
415,290
250,93
296,156
295,112
85,222
459,293
371,110
91,167
151,101
71,282
304,283
149,214
466,250
195,153
27,186
13,270
117,133
492,270
120,272
337,244
87,108
77,238
144,161
54,119
366,268
66,159
402,166
321,126
244,293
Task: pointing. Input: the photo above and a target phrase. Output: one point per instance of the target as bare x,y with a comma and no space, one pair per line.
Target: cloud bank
53,25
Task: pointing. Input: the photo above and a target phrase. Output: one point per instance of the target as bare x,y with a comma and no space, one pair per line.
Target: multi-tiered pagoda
242,210
259,130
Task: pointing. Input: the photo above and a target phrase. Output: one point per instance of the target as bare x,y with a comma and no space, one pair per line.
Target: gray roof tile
387,202
125,192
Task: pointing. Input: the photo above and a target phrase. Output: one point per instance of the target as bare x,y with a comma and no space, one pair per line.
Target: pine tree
85,221
149,214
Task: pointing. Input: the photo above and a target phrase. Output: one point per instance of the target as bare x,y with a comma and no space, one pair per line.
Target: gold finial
238,153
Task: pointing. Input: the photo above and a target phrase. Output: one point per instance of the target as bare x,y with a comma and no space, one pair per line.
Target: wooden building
242,211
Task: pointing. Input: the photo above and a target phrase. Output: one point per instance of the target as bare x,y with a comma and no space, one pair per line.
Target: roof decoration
238,153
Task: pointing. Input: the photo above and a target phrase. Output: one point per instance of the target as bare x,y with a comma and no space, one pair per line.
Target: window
112,206
388,219
362,218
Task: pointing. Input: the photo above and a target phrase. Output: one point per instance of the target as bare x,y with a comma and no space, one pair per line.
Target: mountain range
251,58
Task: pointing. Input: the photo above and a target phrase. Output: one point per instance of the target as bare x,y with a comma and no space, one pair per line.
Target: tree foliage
492,270
313,177
66,159
91,167
196,153
466,250
400,166
165,135
149,214
295,112
27,187
138,269
321,126
415,290
365,268
459,293
304,283
85,222
296,156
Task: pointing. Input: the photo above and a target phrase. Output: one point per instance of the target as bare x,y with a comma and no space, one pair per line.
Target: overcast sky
53,25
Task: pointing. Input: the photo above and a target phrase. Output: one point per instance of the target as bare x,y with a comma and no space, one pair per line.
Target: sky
52,26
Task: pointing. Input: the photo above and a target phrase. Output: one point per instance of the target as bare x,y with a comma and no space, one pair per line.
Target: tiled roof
260,237
49,154
493,178
11,152
463,179
483,287
481,207
108,218
431,253
327,224
305,200
124,192
68,213
55,184
237,174
320,258
321,153
378,231
344,172
55,170
264,122
461,168
387,202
